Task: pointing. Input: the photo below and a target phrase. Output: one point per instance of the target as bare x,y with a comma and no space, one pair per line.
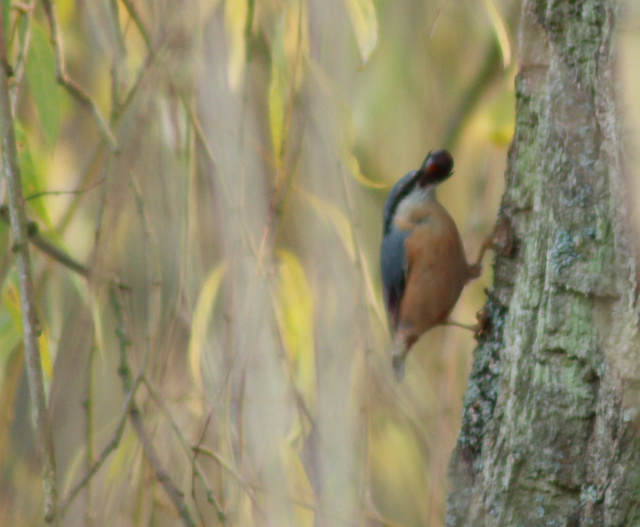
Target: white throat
418,197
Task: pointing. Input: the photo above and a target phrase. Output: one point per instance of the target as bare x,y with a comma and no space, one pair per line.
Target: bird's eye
437,167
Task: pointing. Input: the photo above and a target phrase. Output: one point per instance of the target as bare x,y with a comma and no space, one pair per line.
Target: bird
422,260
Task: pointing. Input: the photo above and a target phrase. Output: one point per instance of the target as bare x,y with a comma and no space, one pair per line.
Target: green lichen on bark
551,413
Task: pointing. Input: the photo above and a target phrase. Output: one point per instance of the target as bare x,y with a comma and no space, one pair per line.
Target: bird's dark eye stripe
394,200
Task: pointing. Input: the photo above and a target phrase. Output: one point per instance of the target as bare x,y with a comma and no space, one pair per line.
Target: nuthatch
422,260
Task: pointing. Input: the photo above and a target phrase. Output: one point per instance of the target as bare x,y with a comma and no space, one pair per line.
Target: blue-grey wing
393,271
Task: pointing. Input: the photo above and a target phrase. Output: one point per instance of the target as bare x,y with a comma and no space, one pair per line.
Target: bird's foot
500,239
471,327
474,271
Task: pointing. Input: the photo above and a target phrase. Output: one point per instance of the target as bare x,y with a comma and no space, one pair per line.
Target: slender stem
137,20
18,68
89,433
69,84
135,416
196,468
30,324
111,446
47,247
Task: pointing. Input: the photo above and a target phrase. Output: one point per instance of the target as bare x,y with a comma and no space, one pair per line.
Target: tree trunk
550,421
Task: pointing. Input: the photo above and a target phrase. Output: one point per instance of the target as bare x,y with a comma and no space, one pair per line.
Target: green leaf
365,25
6,14
277,88
298,484
29,177
40,71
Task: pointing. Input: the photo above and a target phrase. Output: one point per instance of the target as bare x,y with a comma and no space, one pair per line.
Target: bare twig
69,84
201,136
135,16
99,149
63,192
365,324
30,324
197,469
152,264
25,13
174,494
47,247
250,488
89,432
124,371
111,446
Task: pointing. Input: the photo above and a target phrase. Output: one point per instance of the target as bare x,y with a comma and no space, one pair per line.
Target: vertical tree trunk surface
550,425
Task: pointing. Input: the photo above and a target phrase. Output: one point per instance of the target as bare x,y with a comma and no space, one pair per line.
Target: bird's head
417,184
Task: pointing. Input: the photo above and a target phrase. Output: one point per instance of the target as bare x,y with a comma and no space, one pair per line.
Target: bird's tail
401,346
398,365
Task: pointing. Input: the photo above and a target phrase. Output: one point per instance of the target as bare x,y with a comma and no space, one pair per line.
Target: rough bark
550,420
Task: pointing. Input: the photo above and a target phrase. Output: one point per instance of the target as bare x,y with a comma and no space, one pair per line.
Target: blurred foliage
220,168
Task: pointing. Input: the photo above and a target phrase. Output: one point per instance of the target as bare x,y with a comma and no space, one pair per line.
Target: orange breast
436,272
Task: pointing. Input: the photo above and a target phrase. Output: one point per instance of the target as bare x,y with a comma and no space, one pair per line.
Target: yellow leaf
290,43
201,321
353,165
398,476
295,318
125,461
496,120
235,19
296,39
299,486
365,25
500,29
245,511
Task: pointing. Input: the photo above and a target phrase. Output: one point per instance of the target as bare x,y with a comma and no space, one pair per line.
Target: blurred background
226,196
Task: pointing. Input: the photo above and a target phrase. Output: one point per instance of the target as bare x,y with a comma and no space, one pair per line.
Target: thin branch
99,150
89,432
135,417
21,7
25,13
365,324
30,325
135,16
251,487
201,136
170,488
152,264
47,247
221,461
111,446
69,84
196,468
64,192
